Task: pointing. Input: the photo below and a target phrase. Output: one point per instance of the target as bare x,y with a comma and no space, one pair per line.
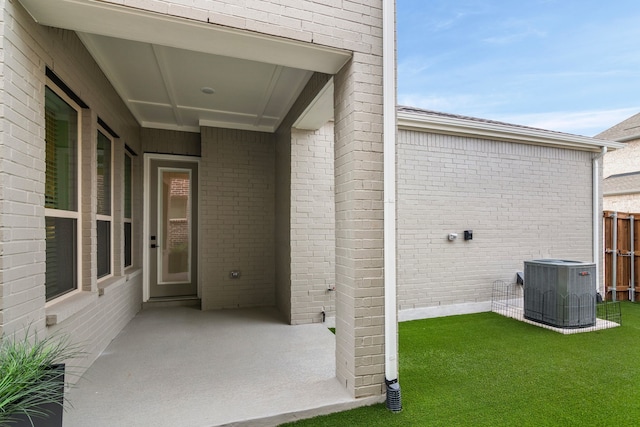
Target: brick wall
283,221
622,161
95,325
353,25
312,225
170,142
237,193
238,177
359,226
28,49
623,203
296,151
521,201
22,169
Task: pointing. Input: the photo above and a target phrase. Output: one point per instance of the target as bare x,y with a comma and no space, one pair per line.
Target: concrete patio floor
180,366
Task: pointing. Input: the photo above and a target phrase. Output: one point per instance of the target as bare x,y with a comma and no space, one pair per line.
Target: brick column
359,226
22,179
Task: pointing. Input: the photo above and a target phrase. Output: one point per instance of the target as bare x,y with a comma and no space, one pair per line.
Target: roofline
500,131
620,175
621,192
628,138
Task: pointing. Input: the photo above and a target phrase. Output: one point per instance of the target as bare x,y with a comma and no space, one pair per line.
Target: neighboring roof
433,121
624,183
626,130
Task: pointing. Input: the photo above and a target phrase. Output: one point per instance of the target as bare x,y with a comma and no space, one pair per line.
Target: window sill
113,283
59,311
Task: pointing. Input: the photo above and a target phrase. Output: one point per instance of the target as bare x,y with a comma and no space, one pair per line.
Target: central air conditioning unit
560,293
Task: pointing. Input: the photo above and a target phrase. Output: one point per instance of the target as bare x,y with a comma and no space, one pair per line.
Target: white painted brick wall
342,24
170,142
28,49
623,160
301,307
237,194
97,324
312,225
620,161
335,23
359,226
283,220
625,203
21,178
521,201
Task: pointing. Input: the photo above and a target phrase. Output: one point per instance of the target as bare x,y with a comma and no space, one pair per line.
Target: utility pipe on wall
389,177
597,243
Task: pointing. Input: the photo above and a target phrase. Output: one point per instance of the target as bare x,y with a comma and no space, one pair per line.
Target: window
62,125
104,216
127,210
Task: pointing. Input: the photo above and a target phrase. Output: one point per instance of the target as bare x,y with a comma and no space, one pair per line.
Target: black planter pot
53,410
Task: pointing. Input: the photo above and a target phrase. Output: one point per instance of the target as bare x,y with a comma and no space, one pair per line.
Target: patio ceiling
181,74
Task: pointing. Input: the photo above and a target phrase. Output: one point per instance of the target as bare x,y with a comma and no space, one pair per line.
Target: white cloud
446,104
587,123
513,37
515,30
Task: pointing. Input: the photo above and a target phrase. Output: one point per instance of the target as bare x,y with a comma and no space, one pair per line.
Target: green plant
27,378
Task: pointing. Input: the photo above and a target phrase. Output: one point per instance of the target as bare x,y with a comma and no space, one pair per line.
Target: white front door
172,227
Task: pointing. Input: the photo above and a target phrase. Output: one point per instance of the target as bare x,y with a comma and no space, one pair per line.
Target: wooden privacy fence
621,256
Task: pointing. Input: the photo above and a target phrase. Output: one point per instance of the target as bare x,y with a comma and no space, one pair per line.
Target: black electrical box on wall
468,234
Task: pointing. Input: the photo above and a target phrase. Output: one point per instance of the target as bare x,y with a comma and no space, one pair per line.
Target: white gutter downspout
389,148
597,244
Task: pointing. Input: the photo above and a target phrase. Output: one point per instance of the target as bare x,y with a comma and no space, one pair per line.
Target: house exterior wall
356,26
237,218
21,177
241,215
295,150
174,142
28,49
283,221
312,225
358,170
622,161
353,25
624,203
618,162
522,202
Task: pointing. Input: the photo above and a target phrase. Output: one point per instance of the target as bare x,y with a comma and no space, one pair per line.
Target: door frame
148,157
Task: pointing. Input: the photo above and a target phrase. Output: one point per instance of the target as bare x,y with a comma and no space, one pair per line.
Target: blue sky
565,65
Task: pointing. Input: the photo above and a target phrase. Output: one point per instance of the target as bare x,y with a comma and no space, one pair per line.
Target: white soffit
163,86
319,111
159,65
498,131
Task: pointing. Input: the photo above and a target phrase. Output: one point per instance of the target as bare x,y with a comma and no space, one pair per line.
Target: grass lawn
488,370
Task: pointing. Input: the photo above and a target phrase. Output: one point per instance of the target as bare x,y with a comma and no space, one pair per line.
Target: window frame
125,219
102,217
63,213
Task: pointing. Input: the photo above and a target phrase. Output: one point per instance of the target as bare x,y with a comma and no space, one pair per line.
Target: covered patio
183,366
281,130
